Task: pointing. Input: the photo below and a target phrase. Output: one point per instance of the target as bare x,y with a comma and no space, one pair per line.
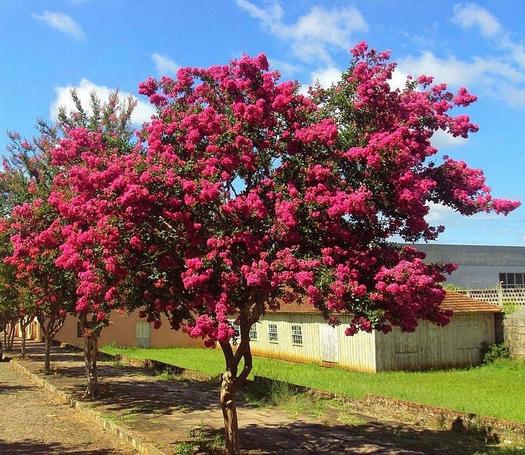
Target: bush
495,352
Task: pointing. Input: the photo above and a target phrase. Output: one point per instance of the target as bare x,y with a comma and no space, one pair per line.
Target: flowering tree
48,291
87,238
244,195
30,228
13,304
8,291
8,299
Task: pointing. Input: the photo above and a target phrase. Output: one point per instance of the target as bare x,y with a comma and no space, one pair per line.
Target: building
128,330
299,333
480,267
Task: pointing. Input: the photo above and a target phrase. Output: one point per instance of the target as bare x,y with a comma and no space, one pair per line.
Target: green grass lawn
496,390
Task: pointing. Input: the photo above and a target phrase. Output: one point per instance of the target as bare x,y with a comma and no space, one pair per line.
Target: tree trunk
229,413
90,359
231,383
23,345
12,330
49,327
47,354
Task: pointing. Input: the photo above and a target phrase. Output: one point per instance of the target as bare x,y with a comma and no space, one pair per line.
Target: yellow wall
458,344
122,331
356,353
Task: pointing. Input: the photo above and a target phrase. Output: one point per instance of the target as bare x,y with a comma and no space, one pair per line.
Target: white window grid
253,333
272,333
297,335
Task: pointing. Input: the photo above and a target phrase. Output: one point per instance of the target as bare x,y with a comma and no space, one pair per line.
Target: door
143,334
329,343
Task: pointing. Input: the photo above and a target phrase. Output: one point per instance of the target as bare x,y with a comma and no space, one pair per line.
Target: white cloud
284,67
313,34
449,69
491,76
471,15
443,140
61,22
439,213
142,112
442,214
398,80
164,64
500,75
331,75
326,76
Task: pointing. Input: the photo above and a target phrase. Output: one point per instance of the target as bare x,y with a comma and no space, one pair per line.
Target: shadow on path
371,438
166,410
30,447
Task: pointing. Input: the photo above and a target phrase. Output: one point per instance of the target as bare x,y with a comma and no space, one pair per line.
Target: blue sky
46,47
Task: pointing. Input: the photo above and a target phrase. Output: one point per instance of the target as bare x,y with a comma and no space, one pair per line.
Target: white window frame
273,335
253,333
297,335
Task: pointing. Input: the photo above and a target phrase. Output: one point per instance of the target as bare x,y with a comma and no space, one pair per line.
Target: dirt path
32,422
166,411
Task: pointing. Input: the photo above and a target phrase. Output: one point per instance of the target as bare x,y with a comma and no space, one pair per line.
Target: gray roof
474,254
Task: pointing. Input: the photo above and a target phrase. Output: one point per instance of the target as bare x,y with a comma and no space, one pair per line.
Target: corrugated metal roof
454,301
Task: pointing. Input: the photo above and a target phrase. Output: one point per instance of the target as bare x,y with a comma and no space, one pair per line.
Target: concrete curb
130,437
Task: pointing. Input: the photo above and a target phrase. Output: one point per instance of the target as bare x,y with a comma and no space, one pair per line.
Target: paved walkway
33,422
164,412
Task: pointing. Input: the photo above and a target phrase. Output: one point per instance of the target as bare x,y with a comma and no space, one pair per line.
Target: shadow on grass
32,447
372,437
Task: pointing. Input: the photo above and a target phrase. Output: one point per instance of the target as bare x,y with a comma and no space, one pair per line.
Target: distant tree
245,194
35,225
104,129
13,311
48,292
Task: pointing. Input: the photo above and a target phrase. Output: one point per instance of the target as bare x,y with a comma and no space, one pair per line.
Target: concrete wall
122,331
356,353
458,344
479,265
514,333
480,277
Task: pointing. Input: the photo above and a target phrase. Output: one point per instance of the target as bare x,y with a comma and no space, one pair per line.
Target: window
272,333
297,335
512,280
253,333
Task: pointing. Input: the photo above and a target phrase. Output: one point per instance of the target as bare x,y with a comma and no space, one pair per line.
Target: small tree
48,292
13,191
8,292
83,252
245,195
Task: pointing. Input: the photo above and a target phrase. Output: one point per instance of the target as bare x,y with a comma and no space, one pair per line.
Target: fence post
500,294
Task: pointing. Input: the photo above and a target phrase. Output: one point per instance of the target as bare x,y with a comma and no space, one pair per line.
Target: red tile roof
460,303
454,301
